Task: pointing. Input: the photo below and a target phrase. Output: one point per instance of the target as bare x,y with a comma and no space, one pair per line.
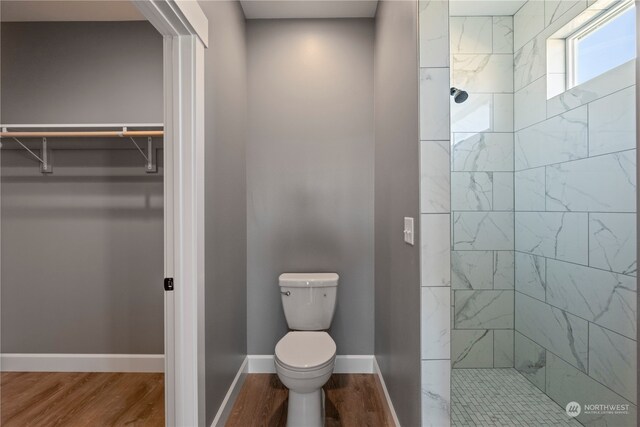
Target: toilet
305,357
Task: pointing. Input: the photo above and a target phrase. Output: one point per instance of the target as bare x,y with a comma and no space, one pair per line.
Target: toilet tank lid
309,279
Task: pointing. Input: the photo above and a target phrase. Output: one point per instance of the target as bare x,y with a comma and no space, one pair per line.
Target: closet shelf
82,134
43,131
82,130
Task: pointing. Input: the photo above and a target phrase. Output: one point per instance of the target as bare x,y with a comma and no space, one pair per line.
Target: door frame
184,28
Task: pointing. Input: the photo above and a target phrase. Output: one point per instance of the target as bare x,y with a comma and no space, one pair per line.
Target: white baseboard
345,364
386,392
46,362
227,404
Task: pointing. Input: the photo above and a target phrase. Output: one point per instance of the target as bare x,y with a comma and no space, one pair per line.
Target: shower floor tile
501,397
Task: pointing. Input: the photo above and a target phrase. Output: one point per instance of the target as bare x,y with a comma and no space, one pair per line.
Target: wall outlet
408,230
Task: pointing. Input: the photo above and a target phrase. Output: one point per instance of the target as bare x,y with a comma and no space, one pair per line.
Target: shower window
601,45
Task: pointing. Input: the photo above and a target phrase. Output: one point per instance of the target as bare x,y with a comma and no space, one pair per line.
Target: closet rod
84,134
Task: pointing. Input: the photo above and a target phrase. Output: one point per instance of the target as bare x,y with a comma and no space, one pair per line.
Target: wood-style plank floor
74,399
352,400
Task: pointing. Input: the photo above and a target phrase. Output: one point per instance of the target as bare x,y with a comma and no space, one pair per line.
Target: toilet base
305,409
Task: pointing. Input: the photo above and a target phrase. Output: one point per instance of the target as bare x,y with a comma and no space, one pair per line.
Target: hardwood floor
73,399
351,400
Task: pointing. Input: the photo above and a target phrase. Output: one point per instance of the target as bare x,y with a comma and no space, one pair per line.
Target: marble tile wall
482,193
575,215
435,208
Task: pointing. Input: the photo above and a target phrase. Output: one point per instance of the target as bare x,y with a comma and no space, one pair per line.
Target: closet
81,207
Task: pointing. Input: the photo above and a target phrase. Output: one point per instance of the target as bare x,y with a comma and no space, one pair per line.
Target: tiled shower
542,218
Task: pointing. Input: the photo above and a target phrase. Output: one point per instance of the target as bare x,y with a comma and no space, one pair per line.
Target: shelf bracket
46,153
150,166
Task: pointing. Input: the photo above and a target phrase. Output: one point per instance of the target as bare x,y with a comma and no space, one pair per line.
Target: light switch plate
408,230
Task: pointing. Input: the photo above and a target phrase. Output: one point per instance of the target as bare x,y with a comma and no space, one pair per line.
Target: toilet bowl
304,362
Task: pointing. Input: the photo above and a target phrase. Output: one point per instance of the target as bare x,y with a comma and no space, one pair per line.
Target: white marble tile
529,63
475,152
436,249
612,123
480,309
434,33
604,184
530,190
612,242
562,333
558,139
528,22
502,112
530,104
434,98
503,191
531,275
559,235
530,360
503,269
434,177
436,325
556,84
471,34
612,81
556,60
605,298
483,230
474,115
503,349
567,384
472,269
553,9
612,361
472,349
483,73
502,34
471,191
436,393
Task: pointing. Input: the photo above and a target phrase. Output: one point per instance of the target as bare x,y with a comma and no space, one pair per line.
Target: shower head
459,95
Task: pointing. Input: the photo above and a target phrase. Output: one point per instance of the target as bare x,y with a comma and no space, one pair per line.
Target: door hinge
168,283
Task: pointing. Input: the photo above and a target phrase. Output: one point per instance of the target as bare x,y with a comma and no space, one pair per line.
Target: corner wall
310,171
575,202
435,218
397,268
482,260
82,248
225,200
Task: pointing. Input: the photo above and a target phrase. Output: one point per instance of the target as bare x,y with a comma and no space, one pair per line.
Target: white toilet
305,357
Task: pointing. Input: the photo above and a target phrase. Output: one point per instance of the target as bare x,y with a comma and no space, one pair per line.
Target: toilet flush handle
287,293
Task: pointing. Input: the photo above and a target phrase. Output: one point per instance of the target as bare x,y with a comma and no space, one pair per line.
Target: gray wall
310,171
225,200
82,249
397,271
81,72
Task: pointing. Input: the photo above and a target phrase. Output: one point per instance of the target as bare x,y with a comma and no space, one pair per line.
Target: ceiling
118,10
270,9
484,7
53,10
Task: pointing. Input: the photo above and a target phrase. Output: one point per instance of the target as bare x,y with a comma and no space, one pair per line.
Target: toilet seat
305,351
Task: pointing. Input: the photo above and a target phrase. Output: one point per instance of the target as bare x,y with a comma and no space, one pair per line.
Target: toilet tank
308,299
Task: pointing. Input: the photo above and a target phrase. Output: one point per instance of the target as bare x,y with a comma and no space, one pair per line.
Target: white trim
378,372
196,18
46,362
230,398
345,364
185,30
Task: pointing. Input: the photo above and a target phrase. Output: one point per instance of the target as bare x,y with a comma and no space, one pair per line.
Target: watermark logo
573,409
